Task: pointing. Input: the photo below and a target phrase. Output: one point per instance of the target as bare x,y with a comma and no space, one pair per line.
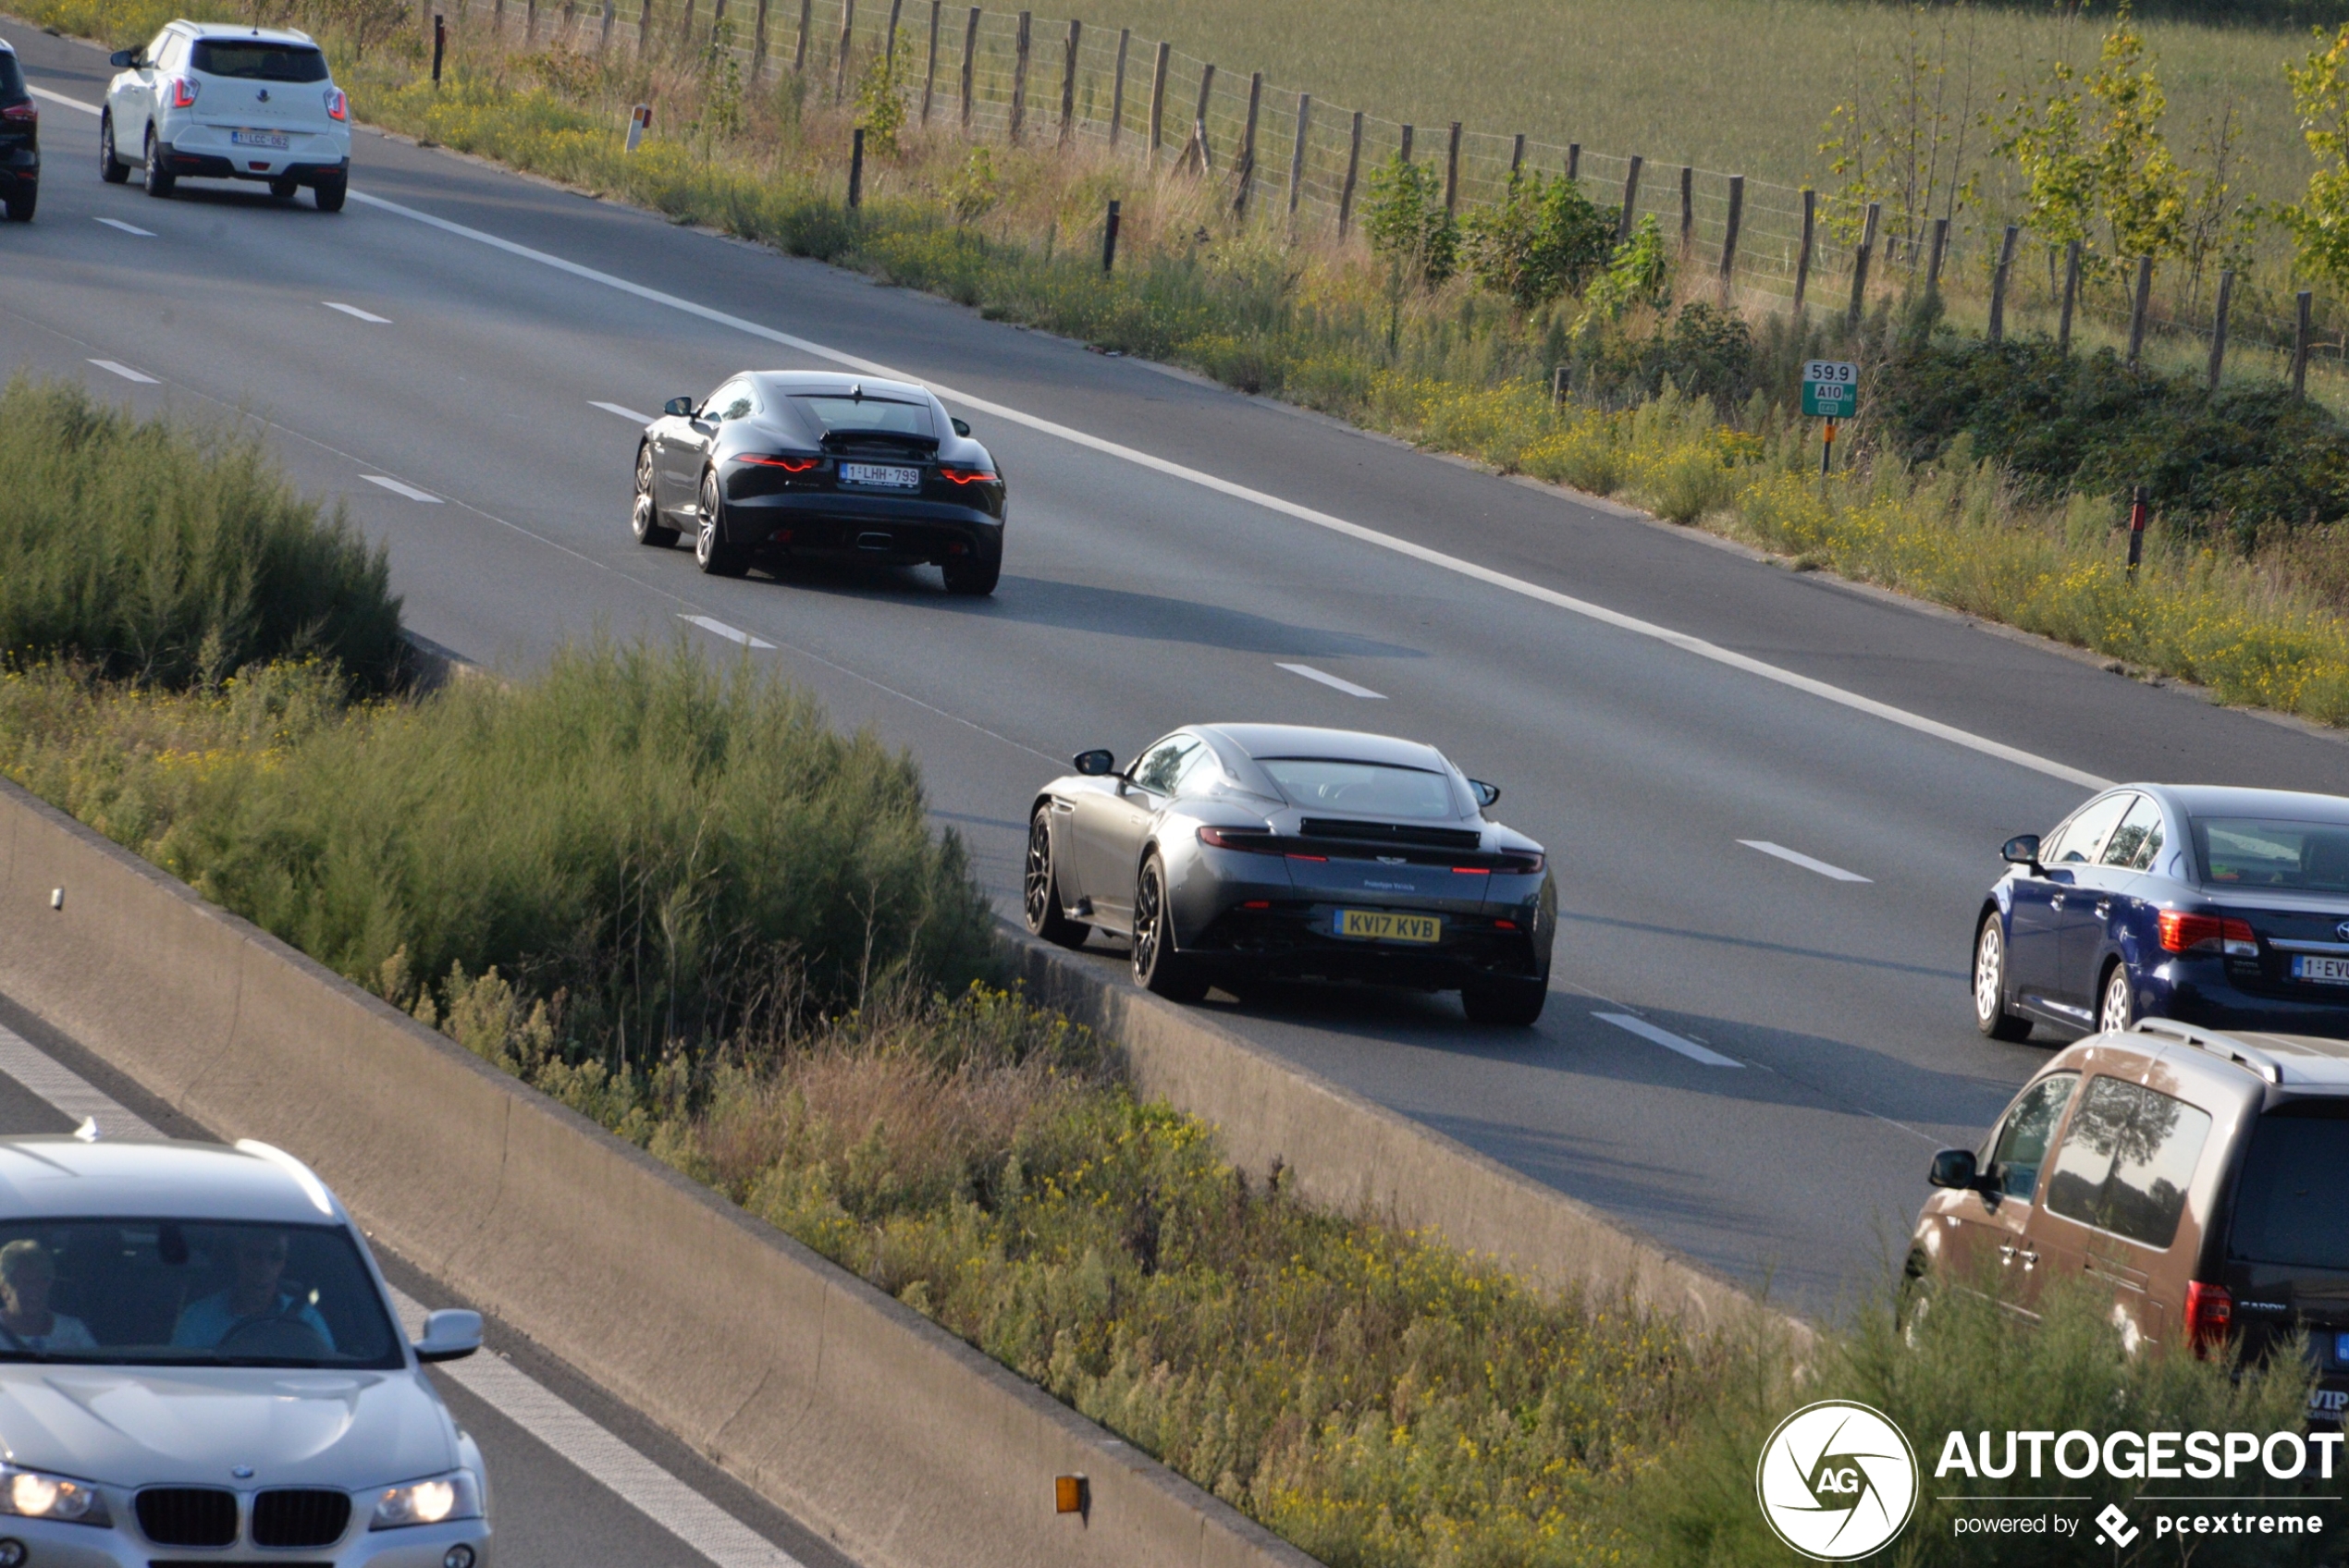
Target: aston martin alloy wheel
1158,968
1040,890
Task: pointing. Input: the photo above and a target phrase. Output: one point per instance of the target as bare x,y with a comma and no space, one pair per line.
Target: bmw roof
66,1176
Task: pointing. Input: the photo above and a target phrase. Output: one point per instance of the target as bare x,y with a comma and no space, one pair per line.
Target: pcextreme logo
1837,1480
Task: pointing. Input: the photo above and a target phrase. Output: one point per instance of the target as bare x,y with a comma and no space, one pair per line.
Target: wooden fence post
1247,145
1729,235
970,66
1404,149
530,23
497,19
644,29
2219,326
1353,172
1021,43
2071,295
2300,347
889,47
1574,160
1940,249
1068,83
2138,308
799,43
1810,233
611,15
1199,117
684,24
1296,151
929,73
1517,157
1999,284
1158,99
1631,199
1688,210
848,40
1859,263
1117,89
1452,173
758,42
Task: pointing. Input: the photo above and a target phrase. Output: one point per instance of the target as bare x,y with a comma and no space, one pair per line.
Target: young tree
1541,239
2320,220
1405,221
1900,140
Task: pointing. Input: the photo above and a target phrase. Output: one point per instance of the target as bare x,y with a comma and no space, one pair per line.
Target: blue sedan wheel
1990,1014
2117,1008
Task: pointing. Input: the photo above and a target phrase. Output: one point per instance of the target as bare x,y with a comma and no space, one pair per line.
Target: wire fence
1280,154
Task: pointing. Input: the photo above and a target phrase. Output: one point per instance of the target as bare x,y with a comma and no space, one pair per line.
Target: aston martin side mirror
1485,793
1094,764
2022,849
123,59
962,427
677,408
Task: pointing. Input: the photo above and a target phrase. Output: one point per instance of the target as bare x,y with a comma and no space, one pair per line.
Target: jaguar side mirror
1485,793
450,1334
962,427
2022,849
1954,1167
677,408
123,59
1094,764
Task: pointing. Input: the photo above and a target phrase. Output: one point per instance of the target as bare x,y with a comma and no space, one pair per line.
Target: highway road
1772,801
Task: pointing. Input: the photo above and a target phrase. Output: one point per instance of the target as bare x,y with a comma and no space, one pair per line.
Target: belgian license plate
885,475
2323,971
1385,926
275,139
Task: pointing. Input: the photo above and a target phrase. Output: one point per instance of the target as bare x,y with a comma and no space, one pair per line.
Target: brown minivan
2203,1176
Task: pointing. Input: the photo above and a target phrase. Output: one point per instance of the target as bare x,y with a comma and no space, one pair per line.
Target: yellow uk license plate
1385,926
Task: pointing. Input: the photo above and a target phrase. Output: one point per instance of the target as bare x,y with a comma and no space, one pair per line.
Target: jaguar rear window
256,61
847,414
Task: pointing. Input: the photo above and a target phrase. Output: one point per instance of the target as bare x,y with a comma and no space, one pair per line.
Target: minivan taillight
20,113
2210,1316
2184,933
183,93
338,106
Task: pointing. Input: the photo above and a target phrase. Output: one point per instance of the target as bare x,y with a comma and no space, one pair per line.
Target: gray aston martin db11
782,464
1236,851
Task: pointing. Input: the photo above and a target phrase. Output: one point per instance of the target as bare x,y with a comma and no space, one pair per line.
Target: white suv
215,102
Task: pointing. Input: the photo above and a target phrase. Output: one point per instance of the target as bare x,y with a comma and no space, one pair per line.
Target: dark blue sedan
2222,907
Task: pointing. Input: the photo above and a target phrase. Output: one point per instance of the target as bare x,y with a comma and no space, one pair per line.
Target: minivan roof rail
2217,1044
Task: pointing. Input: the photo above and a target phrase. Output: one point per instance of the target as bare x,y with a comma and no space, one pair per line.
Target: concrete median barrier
856,1413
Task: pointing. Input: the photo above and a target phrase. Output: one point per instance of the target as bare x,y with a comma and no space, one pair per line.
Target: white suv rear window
258,61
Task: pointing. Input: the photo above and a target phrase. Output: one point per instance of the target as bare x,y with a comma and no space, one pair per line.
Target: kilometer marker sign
1830,388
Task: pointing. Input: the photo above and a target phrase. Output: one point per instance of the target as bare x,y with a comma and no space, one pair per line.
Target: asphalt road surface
1771,802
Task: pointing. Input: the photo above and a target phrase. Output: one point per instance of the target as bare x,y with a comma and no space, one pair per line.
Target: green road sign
1830,388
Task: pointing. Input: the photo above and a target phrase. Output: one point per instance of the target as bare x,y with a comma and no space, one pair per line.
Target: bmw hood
140,1426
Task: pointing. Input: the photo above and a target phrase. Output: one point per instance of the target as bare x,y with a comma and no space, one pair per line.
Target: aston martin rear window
257,61
845,414
2246,851
1363,788
150,1292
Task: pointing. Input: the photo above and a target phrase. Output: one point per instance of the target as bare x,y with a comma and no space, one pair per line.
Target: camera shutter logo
1837,1480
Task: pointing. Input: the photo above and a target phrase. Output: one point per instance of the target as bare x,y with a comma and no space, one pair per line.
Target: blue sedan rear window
2245,852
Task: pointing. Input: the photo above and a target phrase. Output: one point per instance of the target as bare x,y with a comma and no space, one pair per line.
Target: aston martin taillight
1255,840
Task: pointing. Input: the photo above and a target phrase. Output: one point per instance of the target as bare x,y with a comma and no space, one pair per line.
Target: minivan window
258,61
2126,1161
2288,1207
2245,852
870,413
2022,1141
2138,839
11,79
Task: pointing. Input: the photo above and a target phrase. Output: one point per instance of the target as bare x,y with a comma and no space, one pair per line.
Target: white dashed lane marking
128,227
1794,857
124,371
1667,1039
732,634
1326,679
622,410
399,489
355,312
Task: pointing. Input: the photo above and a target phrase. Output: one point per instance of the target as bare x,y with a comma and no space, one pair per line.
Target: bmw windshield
172,1292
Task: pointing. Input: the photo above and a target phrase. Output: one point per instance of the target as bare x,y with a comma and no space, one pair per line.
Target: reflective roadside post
1830,391
439,43
2136,528
856,169
1109,240
640,120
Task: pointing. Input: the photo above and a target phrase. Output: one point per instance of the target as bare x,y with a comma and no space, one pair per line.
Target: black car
2219,906
782,465
19,140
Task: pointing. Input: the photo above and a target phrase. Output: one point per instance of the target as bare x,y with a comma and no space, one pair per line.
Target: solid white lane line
1805,862
732,634
622,411
355,310
1667,1039
661,1497
1326,679
128,227
399,489
127,373
61,99
1584,607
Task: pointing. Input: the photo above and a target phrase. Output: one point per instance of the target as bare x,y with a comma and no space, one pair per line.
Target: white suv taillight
183,93
338,106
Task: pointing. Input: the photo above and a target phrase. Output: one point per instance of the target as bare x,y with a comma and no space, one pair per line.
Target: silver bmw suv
199,1354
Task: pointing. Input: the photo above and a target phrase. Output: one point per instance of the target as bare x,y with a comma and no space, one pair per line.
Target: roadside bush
1541,239
1705,353
1638,273
1405,220
154,552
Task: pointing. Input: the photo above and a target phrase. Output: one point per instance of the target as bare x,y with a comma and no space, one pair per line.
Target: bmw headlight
456,1495
33,1494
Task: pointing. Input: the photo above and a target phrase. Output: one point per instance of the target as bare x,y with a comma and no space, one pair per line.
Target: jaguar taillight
789,465
966,476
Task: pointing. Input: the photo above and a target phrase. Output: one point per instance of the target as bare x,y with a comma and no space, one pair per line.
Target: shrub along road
1134,599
